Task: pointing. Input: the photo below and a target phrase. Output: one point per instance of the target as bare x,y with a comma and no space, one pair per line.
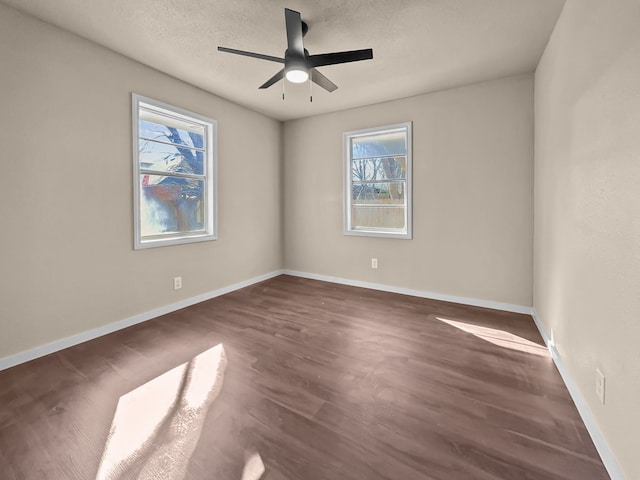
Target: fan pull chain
283,82
311,86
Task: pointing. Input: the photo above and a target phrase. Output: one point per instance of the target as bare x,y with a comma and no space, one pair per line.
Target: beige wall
587,209
66,198
473,194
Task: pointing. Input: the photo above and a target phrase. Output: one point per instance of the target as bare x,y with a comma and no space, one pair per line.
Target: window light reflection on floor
499,337
157,426
253,467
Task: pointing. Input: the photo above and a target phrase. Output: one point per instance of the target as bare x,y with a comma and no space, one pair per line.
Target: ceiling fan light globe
297,75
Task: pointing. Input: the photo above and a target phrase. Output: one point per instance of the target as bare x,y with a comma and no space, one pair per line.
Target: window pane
169,158
171,205
157,126
379,169
388,193
378,188
379,144
368,217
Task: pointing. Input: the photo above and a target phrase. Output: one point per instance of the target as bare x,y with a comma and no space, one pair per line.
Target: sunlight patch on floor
253,467
156,427
499,337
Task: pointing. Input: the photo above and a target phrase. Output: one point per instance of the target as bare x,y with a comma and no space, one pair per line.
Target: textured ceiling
419,46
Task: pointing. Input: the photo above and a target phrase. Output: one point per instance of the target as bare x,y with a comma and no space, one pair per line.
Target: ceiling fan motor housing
294,61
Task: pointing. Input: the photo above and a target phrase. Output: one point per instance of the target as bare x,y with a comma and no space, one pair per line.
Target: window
174,164
378,181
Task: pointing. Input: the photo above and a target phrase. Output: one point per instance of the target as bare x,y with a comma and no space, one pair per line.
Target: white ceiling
419,46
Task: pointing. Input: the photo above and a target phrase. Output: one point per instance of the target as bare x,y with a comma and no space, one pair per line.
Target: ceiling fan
299,66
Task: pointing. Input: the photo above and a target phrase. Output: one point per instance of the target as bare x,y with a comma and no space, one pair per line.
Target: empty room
320,240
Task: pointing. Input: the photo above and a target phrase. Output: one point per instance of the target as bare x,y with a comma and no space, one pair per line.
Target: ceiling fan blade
274,79
294,32
251,54
320,79
339,57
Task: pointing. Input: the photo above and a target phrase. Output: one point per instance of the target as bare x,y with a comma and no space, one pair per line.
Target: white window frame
405,233
209,232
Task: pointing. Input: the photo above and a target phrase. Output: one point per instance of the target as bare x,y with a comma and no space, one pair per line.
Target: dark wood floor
323,381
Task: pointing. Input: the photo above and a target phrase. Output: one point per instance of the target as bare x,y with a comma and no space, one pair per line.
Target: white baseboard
608,459
507,307
81,337
61,344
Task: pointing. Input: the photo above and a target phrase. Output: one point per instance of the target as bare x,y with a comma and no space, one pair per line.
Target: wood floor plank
323,381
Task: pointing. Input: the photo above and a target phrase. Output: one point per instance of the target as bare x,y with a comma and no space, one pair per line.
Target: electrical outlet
177,283
374,263
600,385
